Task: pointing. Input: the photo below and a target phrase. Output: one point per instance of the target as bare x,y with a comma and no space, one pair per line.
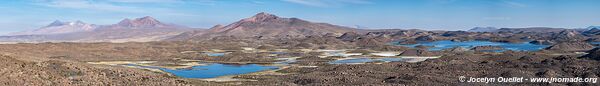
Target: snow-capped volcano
58,27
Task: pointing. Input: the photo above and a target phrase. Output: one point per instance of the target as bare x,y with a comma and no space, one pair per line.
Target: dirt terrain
64,73
442,71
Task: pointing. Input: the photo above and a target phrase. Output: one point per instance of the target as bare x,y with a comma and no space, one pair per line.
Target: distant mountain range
483,29
527,29
139,30
593,27
58,27
260,26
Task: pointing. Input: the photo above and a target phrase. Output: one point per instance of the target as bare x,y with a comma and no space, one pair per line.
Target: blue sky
19,15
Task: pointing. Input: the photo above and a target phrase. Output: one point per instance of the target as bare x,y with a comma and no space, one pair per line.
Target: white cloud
328,3
86,5
121,6
112,5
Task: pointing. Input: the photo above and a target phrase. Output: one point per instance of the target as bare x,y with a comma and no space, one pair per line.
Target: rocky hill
265,25
571,46
483,29
531,29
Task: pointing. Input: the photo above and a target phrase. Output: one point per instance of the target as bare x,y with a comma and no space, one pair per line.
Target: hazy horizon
23,15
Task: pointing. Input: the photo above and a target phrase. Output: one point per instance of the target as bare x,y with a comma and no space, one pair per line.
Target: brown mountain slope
266,25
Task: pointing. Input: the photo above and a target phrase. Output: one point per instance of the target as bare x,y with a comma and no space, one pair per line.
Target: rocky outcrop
349,36
567,36
506,40
593,31
455,33
593,54
403,33
266,47
570,46
416,52
542,42
407,42
371,42
594,39
304,45
457,49
486,48
423,47
425,38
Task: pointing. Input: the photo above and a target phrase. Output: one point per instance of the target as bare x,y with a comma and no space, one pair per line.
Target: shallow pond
341,53
595,43
364,60
214,70
446,44
215,54
370,59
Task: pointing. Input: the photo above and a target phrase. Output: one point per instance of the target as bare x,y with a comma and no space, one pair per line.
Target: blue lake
446,44
214,70
595,43
215,54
